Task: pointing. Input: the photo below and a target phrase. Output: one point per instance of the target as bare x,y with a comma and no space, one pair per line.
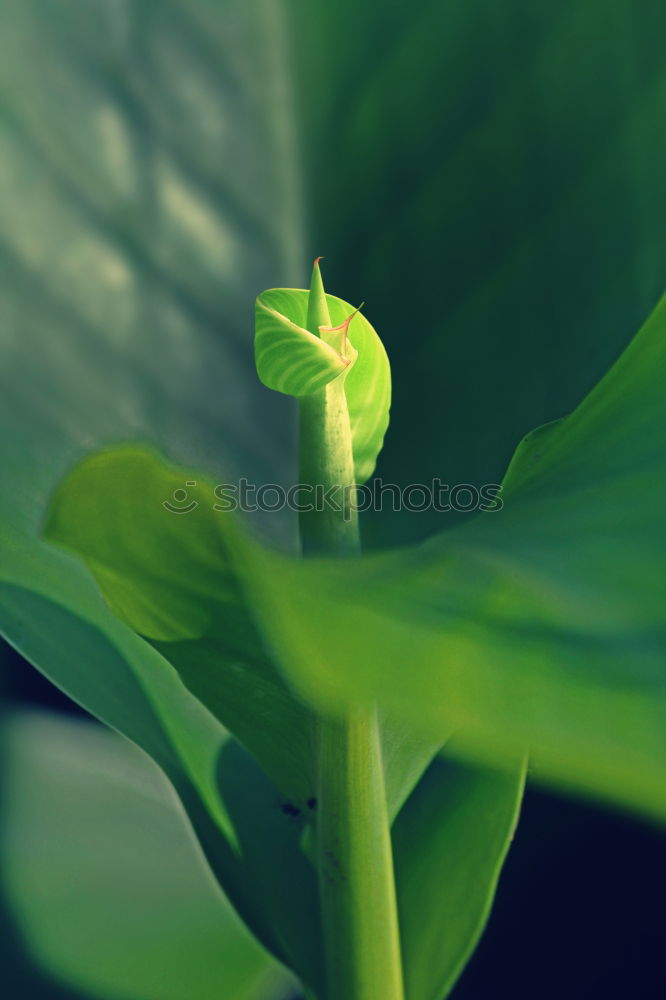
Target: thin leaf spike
318,314
306,339
342,329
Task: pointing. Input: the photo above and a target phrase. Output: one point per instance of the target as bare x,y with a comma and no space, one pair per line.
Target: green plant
491,178
452,640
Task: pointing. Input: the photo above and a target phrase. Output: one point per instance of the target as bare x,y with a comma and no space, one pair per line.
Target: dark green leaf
449,843
134,232
231,804
490,178
105,879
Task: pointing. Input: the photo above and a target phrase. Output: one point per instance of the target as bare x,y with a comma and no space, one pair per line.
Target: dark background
579,912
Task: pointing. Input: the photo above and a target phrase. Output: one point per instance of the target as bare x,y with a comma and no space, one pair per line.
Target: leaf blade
449,844
103,874
540,625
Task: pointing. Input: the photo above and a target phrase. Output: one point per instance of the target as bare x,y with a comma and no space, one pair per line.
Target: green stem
355,862
356,880
327,466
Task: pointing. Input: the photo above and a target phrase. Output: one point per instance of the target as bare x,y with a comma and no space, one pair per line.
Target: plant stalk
355,863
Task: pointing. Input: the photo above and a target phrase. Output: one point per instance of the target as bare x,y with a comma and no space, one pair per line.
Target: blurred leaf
541,625
189,603
21,974
174,574
147,195
455,824
141,211
232,805
490,178
104,877
174,577
152,188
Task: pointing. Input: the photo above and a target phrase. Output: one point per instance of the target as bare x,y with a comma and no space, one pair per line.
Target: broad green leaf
22,976
232,805
449,843
166,569
132,236
140,218
539,625
149,559
131,259
282,313
491,179
173,572
105,880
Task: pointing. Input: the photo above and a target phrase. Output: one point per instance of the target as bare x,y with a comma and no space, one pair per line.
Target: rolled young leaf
289,358
293,360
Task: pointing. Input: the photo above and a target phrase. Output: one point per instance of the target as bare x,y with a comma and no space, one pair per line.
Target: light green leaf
167,570
148,559
289,358
174,574
104,878
367,388
281,320
539,625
